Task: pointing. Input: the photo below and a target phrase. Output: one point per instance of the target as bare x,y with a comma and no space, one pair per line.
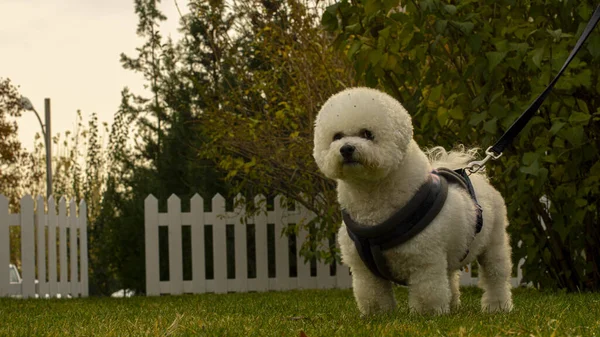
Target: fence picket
304,278
52,266
4,246
62,248
27,247
151,238
198,256
175,253
241,246
260,227
219,245
83,248
282,247
40,225
74,280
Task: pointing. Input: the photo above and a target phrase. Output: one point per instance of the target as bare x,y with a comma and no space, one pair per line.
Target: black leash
495,151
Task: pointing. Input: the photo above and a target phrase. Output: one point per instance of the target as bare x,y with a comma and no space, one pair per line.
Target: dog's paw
497,305
455,303
430,310
369,308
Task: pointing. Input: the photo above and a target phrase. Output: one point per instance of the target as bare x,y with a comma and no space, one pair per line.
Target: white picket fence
219,218
45,273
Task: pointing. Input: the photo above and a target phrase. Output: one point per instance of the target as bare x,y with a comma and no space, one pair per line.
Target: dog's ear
401,120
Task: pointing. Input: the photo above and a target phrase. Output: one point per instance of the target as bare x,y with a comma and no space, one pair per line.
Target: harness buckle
477,165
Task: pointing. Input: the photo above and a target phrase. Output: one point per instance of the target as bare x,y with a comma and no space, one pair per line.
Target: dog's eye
338,136
366,134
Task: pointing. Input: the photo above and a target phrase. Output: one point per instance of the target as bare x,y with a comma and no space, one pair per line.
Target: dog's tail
453,160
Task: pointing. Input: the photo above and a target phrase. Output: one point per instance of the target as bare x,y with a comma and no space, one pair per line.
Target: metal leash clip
477,165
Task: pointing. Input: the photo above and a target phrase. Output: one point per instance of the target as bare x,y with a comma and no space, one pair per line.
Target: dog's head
361,133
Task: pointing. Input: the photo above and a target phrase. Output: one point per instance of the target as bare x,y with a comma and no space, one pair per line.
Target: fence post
175,254
82,224
4,246
151,244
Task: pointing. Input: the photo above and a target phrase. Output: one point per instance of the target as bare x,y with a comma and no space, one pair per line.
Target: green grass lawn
313,312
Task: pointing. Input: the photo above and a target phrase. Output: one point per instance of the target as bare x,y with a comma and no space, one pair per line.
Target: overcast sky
68,51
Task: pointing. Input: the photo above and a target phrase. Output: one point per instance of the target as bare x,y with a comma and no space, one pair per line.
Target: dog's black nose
347,150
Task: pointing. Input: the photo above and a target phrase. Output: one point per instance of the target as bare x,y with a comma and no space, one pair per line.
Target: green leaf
385,33
579,118
329,19
491,126
450,9
355,28
375,56
371,6
494,58
478,118
583,106
529,158
465,27
442,115
354,48
391,62
595,169
533,169
574,135
440,26
537,56
593,45
556,126
474,42
435,93
390,4
456,113
584,78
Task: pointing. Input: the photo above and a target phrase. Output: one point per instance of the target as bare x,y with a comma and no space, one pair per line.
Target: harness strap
410,220
371,241
461,177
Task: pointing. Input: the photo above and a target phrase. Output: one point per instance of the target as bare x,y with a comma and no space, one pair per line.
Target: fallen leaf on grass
302,334
297,318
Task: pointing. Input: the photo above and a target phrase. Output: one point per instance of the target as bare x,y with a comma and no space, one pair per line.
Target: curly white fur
380,176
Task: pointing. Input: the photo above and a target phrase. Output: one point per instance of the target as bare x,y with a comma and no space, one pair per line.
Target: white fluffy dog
364,140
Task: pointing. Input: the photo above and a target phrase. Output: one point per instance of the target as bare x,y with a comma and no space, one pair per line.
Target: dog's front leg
429,290
373,294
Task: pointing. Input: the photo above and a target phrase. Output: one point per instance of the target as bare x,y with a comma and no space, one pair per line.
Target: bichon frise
405,218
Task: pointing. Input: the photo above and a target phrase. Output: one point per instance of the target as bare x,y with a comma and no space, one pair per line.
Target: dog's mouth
350,162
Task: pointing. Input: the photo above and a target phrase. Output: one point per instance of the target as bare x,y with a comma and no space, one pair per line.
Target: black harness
415,216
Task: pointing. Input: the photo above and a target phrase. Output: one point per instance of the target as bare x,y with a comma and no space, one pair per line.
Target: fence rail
44,271
280,217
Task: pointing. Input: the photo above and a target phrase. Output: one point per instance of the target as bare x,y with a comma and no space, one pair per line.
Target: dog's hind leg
454,279
429,289
372,294
495,267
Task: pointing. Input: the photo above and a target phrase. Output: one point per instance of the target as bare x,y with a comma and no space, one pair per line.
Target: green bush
466,70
